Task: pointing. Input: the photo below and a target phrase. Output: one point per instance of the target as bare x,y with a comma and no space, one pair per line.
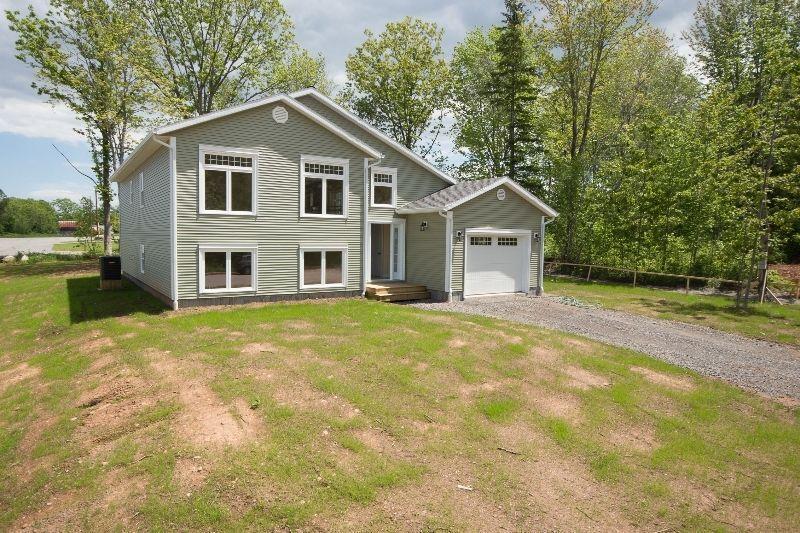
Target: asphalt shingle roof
452,194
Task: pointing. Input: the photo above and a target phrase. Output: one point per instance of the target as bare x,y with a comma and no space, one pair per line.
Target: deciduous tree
399,81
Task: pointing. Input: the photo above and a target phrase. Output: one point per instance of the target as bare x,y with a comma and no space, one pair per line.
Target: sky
29,126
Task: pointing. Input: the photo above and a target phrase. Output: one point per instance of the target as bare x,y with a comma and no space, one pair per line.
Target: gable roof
373,131
463,192
151,143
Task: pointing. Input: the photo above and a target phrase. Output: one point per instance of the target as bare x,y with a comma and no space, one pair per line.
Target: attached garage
492,243
496,262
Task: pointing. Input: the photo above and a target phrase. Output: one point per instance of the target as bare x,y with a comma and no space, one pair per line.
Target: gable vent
280,114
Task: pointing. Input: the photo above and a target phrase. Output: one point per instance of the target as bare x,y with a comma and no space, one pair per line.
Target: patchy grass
767,321
355,415
95,247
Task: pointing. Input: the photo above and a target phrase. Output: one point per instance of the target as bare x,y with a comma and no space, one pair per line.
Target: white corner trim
345,179
314,247
393,185
173,234
375,132
448,258
203,248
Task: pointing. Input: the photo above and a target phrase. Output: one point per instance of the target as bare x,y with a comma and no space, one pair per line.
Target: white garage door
496,263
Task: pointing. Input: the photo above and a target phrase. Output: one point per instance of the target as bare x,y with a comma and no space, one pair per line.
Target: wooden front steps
396,291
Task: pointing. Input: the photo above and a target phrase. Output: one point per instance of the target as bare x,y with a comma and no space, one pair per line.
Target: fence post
687,284
634,278
589,275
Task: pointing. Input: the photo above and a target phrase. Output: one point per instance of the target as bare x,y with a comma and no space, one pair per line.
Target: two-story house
293,197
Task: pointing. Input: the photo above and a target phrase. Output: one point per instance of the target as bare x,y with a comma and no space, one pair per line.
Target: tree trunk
105,190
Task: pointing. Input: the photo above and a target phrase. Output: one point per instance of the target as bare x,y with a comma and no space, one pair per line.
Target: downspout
173,207
365,245
540,289
448,252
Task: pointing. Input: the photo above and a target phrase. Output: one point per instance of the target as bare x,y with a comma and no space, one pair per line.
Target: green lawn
79,247
357,415
768,321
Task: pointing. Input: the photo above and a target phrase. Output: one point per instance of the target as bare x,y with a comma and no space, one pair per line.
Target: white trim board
508,182
375,132
146,145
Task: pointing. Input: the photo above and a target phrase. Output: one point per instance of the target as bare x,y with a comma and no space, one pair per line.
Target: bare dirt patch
638,438
673,382
190,472
545,354
19,373
581,378
456,343
256,348
97,344
301,394
205,420
550,404
298,324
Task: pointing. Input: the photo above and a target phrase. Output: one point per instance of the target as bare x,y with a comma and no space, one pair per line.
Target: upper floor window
384,183
323,187
227,180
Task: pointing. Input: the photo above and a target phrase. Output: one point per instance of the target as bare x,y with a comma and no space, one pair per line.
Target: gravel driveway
769,368
30,244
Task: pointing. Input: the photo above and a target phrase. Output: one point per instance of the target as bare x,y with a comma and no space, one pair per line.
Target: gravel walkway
10,246
769,368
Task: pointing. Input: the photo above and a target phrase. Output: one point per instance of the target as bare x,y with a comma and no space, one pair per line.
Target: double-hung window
227,180
323,266
384,185
227,269
323,187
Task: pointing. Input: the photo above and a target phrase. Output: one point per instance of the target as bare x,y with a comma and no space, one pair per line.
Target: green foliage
480,128
66,209
82,53
211,54
24,215
513,89
399,81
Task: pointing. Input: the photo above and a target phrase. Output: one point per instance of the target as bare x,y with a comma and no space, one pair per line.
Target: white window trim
345,178
201,268
141,189
323,248
383,170
141,258
201,178
129,184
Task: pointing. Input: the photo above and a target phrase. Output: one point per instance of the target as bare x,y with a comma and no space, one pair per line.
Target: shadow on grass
67,265
88,302
696,308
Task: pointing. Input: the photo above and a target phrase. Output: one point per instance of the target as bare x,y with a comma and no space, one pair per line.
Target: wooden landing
396,291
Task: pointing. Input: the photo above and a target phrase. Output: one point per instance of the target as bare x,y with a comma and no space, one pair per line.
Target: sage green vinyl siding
486,211
425,251
277,228
148,225
413,180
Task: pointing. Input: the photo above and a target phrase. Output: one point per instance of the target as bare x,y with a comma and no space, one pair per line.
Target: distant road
30,244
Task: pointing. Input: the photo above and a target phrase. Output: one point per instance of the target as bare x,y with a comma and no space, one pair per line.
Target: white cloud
36,119
51,194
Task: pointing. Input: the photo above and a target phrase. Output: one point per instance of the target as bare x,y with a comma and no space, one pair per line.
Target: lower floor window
226,270
322,267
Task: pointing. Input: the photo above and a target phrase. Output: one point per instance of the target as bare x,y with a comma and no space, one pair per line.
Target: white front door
398,249
496,263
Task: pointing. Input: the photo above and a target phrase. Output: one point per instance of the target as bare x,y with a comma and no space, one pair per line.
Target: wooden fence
555,264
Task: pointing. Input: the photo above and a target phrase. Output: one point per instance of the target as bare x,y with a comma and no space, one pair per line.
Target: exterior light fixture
423,226
459,236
